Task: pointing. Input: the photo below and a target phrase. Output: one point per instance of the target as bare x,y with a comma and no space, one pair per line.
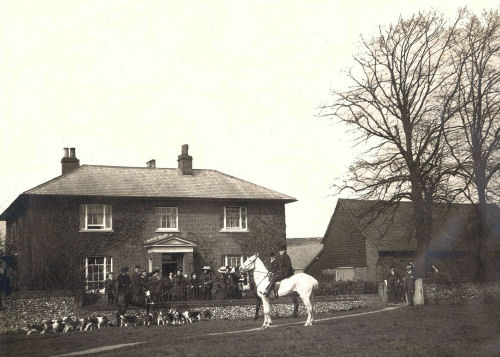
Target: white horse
301,283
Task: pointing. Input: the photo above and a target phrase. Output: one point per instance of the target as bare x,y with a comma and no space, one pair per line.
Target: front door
170,262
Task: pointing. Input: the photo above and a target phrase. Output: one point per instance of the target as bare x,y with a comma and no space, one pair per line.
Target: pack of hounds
169,317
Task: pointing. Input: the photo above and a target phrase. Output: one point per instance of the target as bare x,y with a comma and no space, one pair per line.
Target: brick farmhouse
92,220
364,238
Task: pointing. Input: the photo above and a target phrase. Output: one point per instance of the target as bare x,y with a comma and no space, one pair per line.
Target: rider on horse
280,268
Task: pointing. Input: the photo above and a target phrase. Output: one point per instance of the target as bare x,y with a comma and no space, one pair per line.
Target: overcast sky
239,81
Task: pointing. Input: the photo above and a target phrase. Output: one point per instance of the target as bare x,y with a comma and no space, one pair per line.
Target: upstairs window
95,217
235,218
167,218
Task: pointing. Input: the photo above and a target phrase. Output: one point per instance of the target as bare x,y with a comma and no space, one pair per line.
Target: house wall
343,246
51,248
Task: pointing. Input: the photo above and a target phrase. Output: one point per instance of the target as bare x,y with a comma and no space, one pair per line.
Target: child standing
110,287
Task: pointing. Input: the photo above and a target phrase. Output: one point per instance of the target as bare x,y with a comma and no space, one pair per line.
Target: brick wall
51,248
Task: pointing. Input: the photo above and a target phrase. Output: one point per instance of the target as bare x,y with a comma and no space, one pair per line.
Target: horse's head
249,264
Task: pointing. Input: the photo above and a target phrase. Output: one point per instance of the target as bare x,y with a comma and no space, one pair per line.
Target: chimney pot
151,164
185,149
69,162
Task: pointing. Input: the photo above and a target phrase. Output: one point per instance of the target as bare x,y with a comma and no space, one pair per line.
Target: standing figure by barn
409,285
394,283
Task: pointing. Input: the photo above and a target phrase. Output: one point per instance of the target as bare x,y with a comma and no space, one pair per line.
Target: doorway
170,262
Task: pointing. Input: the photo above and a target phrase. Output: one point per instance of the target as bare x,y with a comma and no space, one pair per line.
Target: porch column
187,263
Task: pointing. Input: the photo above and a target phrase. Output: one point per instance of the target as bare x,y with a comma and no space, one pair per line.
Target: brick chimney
185,161
151,164
69,162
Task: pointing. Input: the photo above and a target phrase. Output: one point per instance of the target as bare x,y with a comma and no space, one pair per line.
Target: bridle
257,271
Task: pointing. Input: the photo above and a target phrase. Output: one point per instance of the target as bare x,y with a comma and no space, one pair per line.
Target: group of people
401,288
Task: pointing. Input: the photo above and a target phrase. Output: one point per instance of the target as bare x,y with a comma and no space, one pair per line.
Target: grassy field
434,330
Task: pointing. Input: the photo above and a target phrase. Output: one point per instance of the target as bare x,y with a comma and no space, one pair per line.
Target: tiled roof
90,180
303,253
392,230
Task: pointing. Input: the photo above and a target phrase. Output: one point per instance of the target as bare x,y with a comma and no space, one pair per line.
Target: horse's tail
315,284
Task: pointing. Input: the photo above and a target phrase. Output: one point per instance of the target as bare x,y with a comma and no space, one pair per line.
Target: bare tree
474,139
402,97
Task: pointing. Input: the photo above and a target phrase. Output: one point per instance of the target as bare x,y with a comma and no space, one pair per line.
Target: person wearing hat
282,269
124,292
137,286
394,282
206,282
409,285
179,285
219,290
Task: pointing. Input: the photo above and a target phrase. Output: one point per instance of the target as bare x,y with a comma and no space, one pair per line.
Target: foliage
353,287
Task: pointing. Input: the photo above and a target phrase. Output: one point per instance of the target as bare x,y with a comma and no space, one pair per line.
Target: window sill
167,230
108,230
225,230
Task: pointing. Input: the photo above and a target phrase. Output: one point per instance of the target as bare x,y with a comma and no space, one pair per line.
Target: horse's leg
313,309
295,305
267,314
258,302
307,303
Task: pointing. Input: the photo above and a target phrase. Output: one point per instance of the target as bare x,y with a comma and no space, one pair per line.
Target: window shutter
82,217
108,216
221,218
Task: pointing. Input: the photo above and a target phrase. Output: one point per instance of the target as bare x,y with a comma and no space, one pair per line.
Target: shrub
353,287
90,298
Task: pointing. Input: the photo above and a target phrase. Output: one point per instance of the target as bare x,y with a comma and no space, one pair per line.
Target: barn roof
303,251
388,226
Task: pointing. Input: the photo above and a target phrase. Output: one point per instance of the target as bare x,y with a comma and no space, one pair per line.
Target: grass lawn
433,330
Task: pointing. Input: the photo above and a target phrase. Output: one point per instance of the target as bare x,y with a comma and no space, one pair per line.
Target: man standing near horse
137,286
280,269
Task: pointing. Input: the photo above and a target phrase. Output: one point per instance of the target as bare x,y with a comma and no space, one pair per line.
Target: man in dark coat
137,286
124,292
282,269
394,282
207,282
409,285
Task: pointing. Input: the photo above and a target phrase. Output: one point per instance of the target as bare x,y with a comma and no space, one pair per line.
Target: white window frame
227,258
107,213
243,220
160,215
105,271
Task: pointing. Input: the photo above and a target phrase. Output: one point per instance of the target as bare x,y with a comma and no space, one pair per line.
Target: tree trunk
422,221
